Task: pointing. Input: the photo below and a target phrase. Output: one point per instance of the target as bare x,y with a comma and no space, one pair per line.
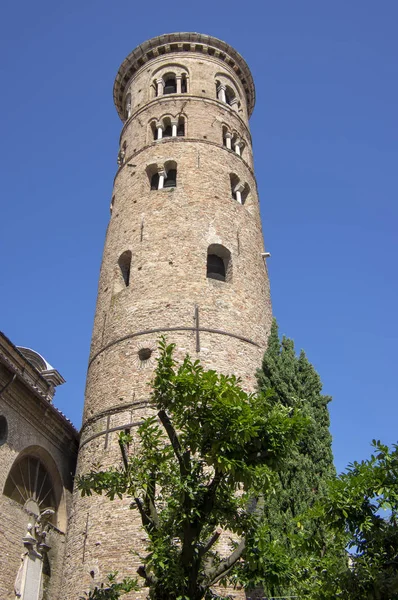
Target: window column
160,132
174,124
237,146
234,104
178,83
238,192
162,177
221,93
160,86
228,140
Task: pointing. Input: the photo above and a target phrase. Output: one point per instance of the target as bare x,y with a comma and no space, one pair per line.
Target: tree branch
147,522
255,508
210,542
167,424
225,565
150,580
124,455
150,500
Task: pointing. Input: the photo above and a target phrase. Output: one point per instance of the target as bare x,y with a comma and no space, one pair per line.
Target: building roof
26,365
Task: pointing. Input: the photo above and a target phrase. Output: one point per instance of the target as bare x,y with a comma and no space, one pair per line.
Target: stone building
38,449
184,256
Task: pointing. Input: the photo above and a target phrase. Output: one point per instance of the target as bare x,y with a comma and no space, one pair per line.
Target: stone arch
152,130
169,79
173,67
230,94
34,482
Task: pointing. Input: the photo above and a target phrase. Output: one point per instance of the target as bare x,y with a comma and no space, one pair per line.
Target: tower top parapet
182,42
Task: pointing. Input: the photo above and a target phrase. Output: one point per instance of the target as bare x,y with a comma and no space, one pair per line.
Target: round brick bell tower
183,257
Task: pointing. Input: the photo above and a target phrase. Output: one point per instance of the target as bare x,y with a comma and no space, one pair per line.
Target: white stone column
174,128
228,140
178,83
162,177
238,192
221,93
234,104
160,84
237,146
160,132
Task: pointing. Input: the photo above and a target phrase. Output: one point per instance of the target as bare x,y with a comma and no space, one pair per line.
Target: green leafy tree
206,460
292,382
361,510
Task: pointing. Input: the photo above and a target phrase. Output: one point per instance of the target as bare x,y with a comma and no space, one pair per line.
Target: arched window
154,130
224,136
167,129
234,184
244,194
218,263
124,263
229,95
171,178
170,84
155,181
184,84
181,127
30,484
128,106
170,168
215,267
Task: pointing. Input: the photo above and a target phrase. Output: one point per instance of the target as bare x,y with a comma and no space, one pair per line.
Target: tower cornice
182,42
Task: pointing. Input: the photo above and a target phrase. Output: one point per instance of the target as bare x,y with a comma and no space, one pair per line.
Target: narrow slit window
125,266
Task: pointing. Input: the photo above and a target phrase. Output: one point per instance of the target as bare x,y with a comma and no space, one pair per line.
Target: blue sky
325,143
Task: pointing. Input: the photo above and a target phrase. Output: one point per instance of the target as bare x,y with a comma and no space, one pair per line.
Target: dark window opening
171,179
167,132
184,85
170,86
144,353
155,181
181,128
234,183
3,429
215,267
124,265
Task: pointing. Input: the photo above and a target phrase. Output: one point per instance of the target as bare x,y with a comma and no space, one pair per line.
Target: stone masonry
185,100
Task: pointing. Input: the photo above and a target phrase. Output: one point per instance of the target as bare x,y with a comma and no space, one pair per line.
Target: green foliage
363,502
112,590
350,551
204,462
292,382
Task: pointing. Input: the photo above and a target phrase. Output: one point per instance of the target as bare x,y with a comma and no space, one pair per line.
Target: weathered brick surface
168,233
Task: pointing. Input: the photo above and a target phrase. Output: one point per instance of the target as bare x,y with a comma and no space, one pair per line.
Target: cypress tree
302,479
